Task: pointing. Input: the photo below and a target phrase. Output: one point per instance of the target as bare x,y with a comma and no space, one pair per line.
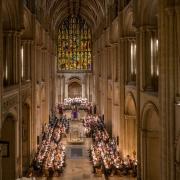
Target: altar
76,134
75,137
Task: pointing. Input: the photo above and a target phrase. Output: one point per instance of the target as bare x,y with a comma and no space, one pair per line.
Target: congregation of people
50,157
104,154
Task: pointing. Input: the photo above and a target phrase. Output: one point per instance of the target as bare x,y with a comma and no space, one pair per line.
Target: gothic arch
28,27
129,28
74,89
11,15
9,133
26,134
92,11
151,142
130,126
130,104
149,108
12,112
73,79
147,12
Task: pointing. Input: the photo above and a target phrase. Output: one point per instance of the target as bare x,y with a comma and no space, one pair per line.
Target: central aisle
78,166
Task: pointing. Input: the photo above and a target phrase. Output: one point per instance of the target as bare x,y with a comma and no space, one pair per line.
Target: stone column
26,44
83,90
146,33
54,60
87,86
109,62
138,117
16,52
177,90
1,79
38,63
177,68
104,83
62,88
122,47
33,76
130,63
66,90
11,57
26,60
58,89
23,64
29,60
115,113
44,61
168,94
47,61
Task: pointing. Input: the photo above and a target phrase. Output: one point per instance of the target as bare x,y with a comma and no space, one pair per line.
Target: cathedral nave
90,89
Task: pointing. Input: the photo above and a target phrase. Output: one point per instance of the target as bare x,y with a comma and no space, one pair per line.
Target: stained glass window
74,45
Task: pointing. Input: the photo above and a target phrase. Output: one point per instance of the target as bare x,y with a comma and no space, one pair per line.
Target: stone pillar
115,112
130,135
138,117
38,63
54,60
94,55
44,61
26,44
47,61
16,52
167,94
26,60
146,33
90,87
83,90
178,51
1,81
62,88
34,101
130,63
177,90
58,89
104,82
11,61
122,46
23,64
109,51
66,90
29,60
87,86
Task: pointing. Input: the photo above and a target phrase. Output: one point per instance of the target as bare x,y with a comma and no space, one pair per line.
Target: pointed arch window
74,45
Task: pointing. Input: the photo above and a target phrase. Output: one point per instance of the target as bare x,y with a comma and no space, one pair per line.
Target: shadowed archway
74,90
9,135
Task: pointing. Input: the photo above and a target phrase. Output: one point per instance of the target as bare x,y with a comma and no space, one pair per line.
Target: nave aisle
79,167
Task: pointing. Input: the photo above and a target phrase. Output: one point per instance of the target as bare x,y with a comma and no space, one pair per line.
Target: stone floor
80,168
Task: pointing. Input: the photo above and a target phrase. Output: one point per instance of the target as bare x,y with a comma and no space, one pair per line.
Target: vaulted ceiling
93,11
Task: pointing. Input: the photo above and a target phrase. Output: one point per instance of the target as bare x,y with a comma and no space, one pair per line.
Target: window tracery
74,45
